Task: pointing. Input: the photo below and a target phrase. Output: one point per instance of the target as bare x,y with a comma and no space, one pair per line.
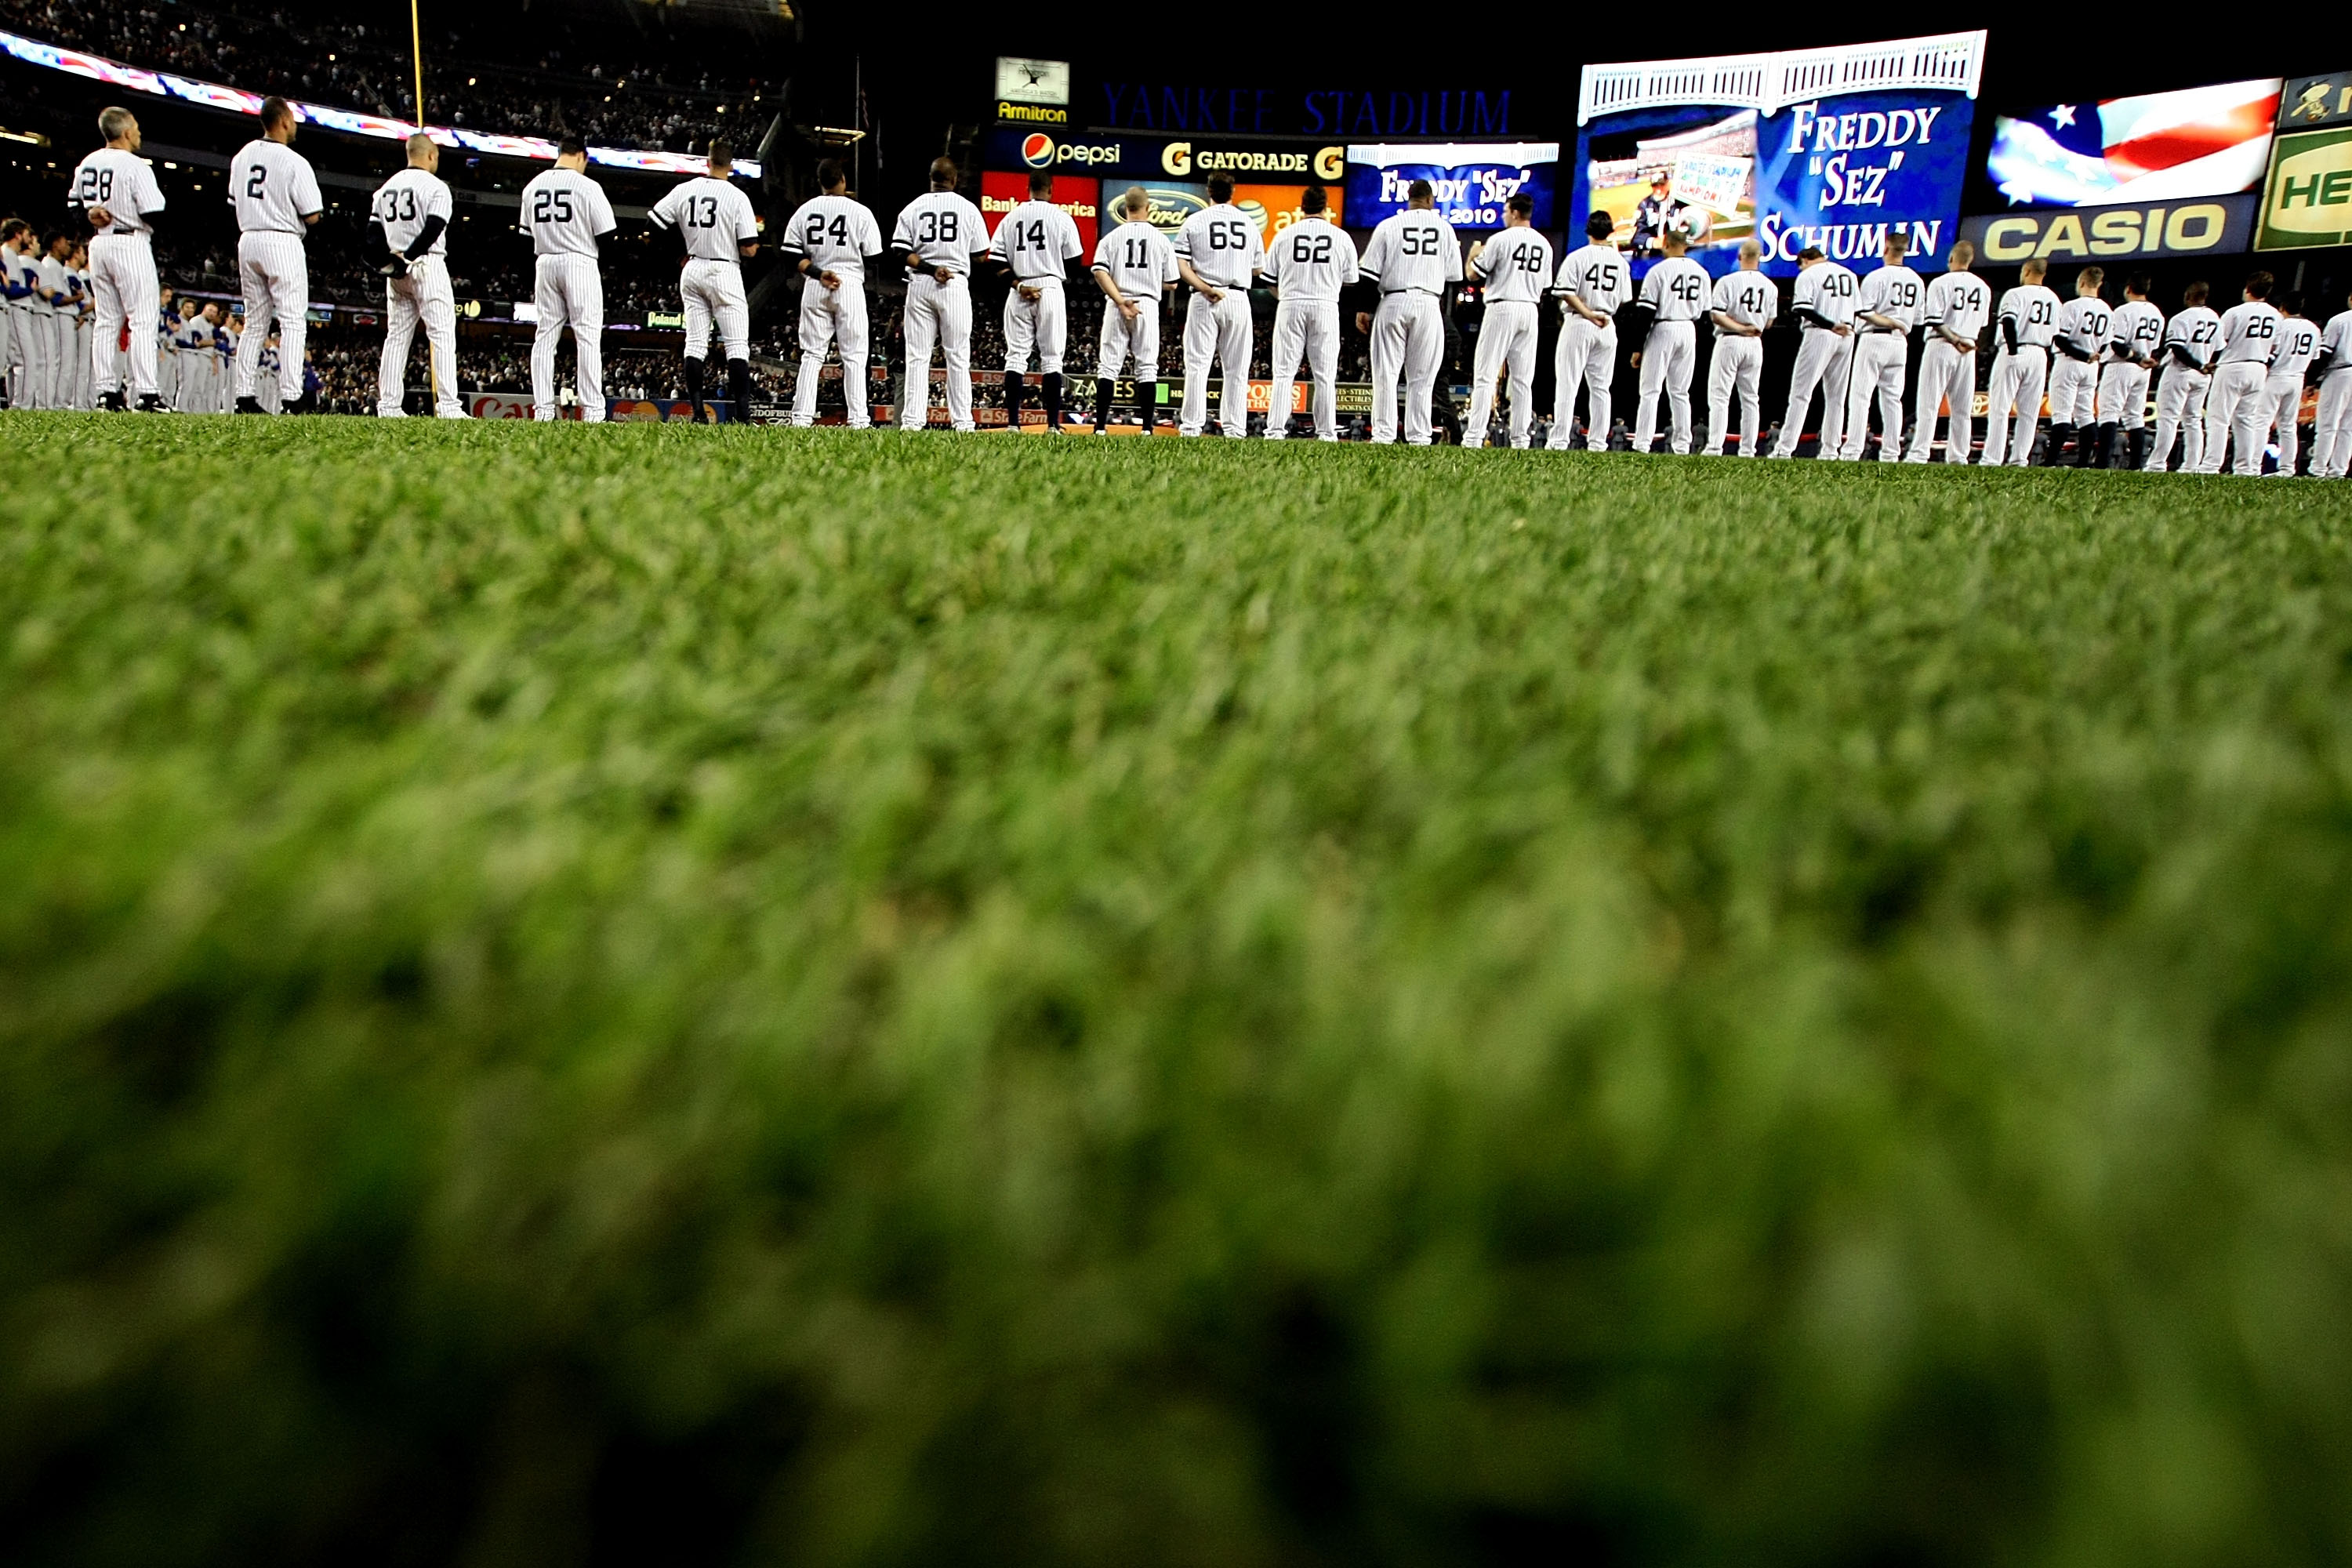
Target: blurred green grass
667,994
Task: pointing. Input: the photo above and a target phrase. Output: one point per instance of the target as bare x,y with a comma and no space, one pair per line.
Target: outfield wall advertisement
1142,157
2156,173
1829,147
2306,197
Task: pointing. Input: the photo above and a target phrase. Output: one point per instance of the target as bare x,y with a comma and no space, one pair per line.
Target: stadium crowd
566,88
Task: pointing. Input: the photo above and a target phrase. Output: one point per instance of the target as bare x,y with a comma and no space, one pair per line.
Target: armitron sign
1011,113
2217,225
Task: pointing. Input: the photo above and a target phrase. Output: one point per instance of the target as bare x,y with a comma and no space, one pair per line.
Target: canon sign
1040,150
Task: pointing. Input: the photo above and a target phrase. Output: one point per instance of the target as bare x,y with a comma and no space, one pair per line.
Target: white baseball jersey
2298,346
1227,248
1598,274
566,214
2032,311
1959,303
1414,249
1747,296
1514,267
835,233
1137,257
1893,291
2250,333
273,188
1312,259
2135,329
403,202
942,229
1829,290
2196,329
2087,324
1677,290
1038,240
2337,341
51,272
123,183
711,215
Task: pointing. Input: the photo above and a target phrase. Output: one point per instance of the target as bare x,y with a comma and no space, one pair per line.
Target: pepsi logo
1037,150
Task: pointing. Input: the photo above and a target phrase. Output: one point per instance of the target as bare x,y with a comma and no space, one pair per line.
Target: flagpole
416,45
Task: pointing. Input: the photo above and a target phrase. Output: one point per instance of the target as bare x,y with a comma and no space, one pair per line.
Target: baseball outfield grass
660,994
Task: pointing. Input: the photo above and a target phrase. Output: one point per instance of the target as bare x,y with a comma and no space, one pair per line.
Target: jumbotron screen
1828,147
2154,146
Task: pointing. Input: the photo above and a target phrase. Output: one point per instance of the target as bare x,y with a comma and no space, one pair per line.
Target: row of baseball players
276,196
45,327
50,346
2229,378
1854,346
1403,275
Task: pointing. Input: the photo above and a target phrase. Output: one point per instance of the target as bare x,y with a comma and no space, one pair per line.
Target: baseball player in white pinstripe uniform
1744,303
1958,305
1135,267
276,194
1824,305
830,240
2135,333
2086,327
1413,258
2190,338
2237,411
1514,270
1593,284
1675,292
2298,346
11,232
1312,263
413,208
2331,437
2028,318
1885,309
567,216
1036,241
1220,251
942,235
117,191
715,221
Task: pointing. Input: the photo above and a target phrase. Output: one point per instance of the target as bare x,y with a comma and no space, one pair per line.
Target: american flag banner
2157,146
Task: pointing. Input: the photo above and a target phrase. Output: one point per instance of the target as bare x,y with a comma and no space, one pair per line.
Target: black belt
1427,293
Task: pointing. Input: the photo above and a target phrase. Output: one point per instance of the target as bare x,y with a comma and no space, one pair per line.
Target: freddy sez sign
1470,181
1828,147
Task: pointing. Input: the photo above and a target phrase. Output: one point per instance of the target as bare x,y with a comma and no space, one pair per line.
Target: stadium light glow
350,121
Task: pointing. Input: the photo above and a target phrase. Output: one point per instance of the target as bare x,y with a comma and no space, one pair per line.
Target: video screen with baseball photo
1827,147
2156,146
